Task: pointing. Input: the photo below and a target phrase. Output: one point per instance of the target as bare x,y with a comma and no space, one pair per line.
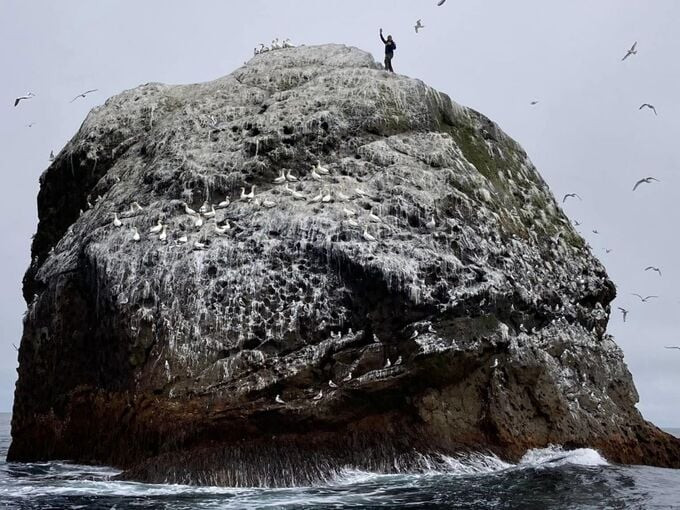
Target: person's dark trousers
388,63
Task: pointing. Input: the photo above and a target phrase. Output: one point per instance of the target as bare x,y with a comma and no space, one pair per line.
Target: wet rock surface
425,296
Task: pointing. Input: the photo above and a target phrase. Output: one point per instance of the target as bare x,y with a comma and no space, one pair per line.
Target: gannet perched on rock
211,213
248,196
281,178
318,197
297,195
315,176
320,169
199,245
188,210
374,217
223,229
327,198
367,236
319,395
204,208
353,223
224,203
279,400
268,203
163,235
116,221
135,234
398,362
341,196
157,228
290,177
183,239
332,384
348,377
431,224
287,44
388,363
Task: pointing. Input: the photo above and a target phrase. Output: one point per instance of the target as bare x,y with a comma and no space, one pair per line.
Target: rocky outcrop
430,275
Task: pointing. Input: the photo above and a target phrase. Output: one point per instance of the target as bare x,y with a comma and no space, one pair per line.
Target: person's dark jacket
389,46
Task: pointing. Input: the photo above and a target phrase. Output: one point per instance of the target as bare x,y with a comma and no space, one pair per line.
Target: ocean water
544,479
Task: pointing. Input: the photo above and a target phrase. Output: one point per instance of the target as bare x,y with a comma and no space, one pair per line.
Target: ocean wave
76,480
556,455
476,464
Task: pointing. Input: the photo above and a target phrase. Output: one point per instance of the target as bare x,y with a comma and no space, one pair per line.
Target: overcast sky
586,134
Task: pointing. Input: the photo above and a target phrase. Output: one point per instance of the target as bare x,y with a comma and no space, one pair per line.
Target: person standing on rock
389,51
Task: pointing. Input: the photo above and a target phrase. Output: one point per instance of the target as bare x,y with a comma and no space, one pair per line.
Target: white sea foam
557,456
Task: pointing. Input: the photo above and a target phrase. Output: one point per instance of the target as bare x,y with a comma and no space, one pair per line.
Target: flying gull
21,98
650,106
533,103
441,2
419,25
83,94
624,312
673,347
571,195
631,51
652,268
646,180
646,298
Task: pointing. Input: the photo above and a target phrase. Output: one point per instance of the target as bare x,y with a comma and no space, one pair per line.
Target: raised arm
382,38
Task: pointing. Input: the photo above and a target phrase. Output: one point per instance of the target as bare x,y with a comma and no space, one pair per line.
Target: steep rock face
165,358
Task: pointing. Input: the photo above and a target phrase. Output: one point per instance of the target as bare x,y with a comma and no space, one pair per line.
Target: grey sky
586,134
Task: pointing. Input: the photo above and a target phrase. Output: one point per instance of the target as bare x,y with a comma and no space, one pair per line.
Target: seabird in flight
83,94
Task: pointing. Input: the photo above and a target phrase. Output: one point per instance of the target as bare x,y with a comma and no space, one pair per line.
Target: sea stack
165,361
